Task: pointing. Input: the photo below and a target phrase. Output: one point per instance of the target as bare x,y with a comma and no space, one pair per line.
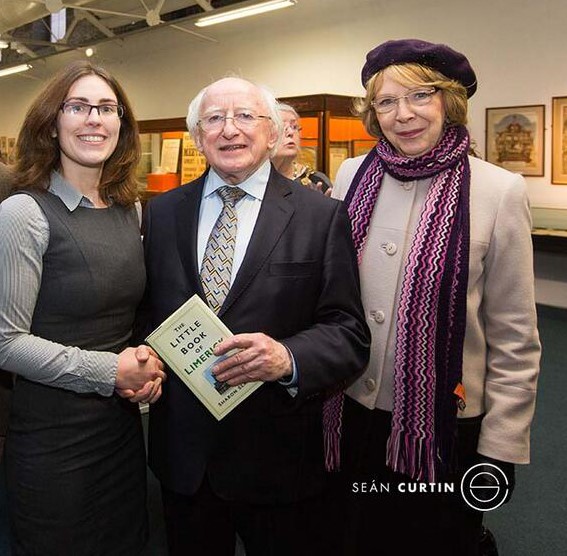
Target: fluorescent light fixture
244,12
15,69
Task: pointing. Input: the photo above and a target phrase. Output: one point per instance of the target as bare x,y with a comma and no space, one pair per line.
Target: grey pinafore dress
75,463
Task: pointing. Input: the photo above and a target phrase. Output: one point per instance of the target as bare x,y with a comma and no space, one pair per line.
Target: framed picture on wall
559,141
515,138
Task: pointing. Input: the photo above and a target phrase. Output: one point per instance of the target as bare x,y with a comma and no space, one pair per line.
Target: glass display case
330,132
549,231
169,156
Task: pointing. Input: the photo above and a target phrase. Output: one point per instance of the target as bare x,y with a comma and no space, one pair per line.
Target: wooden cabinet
549,229
169,156
330,132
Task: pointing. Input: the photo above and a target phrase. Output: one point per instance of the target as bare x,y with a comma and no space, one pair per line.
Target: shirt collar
255,185
71,198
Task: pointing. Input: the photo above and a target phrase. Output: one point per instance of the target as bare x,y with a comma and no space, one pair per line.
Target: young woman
71,276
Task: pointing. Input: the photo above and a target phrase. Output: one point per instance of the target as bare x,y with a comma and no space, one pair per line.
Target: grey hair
283,107
267,96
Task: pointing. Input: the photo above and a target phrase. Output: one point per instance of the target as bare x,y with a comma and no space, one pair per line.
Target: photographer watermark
411,487
484,487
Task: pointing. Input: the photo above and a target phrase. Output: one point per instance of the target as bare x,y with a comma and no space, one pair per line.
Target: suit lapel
186,227
275,214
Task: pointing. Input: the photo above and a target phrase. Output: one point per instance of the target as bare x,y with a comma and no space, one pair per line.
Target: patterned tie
219,252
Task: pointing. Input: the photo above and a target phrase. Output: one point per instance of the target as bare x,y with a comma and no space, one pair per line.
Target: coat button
391,248
378,316
370,384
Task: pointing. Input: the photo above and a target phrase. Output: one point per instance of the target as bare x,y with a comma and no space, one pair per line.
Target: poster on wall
339,151
559,141
193,163
515,138
170,155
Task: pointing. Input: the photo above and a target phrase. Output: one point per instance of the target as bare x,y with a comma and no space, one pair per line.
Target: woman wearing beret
445,255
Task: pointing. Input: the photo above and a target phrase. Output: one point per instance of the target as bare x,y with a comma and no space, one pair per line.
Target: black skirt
75,474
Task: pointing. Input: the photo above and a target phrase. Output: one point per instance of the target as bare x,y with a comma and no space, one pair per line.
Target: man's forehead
230,92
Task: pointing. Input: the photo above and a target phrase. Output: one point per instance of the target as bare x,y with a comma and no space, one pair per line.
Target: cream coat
502,349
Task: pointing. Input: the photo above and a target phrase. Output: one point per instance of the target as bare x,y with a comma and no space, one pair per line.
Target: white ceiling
22,23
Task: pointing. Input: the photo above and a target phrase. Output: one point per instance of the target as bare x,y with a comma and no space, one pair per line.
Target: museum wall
318,46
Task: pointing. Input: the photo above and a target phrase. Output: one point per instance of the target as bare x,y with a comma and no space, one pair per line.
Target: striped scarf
431,314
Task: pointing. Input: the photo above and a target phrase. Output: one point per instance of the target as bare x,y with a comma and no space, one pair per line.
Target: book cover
185,342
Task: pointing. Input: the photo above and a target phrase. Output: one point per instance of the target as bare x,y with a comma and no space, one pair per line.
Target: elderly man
292,301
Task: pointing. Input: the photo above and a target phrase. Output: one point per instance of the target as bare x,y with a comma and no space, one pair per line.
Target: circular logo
484,487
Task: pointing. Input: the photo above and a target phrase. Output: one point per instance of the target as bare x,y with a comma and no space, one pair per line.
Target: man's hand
259,358
140,375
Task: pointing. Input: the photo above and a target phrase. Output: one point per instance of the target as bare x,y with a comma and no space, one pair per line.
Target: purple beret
440,57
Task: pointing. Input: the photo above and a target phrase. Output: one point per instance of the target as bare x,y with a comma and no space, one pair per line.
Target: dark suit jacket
299,284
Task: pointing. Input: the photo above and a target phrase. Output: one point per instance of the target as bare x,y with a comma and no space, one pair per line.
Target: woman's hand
139,375
150,393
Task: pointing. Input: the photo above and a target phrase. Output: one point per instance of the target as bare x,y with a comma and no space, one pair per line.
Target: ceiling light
89,52
4,44
244,12
15,69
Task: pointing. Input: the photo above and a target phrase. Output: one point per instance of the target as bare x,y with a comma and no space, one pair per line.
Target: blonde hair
414,75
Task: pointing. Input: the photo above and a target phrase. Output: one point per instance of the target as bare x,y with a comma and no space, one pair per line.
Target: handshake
139,375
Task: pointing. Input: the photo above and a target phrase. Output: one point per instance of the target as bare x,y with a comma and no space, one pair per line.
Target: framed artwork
515,138
193,162
362,146
339,151
559,141
170,155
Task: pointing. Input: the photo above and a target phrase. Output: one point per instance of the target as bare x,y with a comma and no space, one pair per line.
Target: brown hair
415,75
38,152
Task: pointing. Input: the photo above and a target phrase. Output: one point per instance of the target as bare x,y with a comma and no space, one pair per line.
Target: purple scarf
432,309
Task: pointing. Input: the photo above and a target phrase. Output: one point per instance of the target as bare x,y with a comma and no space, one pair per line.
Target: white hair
283,107
272,106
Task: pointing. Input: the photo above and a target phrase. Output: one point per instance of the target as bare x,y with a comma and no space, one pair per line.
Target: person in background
290,295
445,256
285,157
71,277
5,378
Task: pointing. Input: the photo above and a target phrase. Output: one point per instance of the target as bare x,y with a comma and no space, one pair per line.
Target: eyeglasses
83,110
242,120
292,127
415,97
